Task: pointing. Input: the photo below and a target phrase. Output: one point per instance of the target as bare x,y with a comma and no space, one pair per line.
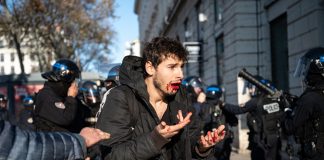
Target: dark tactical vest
217,116
268,115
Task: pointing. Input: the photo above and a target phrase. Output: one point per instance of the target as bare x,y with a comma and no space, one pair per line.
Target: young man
149,115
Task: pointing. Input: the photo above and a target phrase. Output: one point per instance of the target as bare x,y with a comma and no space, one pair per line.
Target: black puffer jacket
16,143
130,119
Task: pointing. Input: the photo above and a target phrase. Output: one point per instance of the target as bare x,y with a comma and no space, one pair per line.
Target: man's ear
149,68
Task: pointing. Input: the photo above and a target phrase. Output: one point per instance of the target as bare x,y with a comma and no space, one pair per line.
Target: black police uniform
263,121
212,115
54,110
307,123
26,120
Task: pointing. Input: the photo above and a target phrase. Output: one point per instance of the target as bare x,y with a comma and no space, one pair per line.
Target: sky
126,27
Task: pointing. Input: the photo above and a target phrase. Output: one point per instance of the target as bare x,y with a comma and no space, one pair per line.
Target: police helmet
113,74
63,70
311,66
90,93
193,81
214,92
28,101
254,91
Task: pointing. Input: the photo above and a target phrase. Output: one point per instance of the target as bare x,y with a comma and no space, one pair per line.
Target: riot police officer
213,115
307,118
55,104
26,115
263,121
89,102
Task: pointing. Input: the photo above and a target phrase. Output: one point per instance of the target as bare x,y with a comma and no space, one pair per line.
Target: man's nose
180,73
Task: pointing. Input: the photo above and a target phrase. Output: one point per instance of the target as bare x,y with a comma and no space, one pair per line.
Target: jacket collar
131,74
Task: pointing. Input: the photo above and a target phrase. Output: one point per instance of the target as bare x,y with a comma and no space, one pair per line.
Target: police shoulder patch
59,105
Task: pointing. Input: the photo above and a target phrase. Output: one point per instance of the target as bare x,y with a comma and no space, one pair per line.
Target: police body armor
269,114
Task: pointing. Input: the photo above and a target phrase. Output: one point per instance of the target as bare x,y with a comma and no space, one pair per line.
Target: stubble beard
157,84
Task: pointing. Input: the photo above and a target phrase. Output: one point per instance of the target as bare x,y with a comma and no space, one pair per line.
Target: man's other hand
92,135
211,138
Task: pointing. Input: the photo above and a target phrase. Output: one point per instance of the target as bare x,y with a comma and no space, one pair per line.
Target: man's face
168,75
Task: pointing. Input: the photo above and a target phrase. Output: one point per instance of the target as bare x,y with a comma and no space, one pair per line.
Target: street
240,156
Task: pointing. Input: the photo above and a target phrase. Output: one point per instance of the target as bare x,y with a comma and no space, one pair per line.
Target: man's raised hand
168,131
211,138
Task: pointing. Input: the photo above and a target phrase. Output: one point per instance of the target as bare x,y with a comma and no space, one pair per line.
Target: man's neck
156,99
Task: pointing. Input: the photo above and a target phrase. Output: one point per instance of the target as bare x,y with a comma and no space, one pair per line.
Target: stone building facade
264,36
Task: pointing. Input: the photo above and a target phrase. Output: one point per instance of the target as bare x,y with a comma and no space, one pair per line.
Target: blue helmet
28,101
90,93
113,74
193,81
63,70
214,92
254,91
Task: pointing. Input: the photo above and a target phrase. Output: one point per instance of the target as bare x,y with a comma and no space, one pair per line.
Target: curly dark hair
163,47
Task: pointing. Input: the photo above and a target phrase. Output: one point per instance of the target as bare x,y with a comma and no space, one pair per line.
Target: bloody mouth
175,85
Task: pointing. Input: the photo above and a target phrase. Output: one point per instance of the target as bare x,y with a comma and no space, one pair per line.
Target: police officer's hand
73,90
211,138
201,97
92,135
168,131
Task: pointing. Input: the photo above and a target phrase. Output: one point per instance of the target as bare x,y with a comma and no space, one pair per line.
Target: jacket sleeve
235,109
53,107
116,119
22,144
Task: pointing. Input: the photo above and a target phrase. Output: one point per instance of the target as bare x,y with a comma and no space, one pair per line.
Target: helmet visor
302,67
92,96
197,84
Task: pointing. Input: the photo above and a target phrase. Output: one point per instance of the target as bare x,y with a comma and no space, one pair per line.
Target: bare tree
77,29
